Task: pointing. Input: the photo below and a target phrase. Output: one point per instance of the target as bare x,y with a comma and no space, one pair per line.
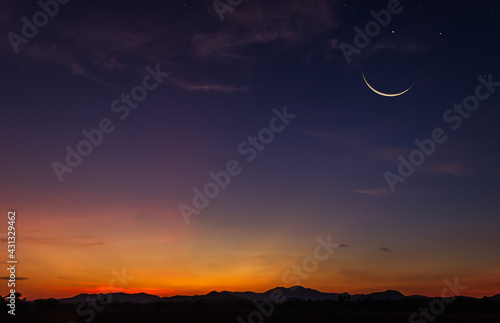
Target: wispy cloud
205,87
391,153
381,191
60,241
95,43
77,69
400,45
17,278
351,138
282,24
454,169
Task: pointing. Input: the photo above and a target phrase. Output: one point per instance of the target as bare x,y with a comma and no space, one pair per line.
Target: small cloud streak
382,191
392,154
351,138
385,249
61,241
206,87
77,69
454,169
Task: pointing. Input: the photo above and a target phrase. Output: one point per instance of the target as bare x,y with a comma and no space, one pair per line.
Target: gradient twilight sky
322,175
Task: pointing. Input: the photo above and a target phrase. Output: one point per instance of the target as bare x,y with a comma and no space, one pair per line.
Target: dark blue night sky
154,135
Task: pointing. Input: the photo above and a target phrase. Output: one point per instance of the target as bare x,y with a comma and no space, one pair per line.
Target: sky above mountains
154,147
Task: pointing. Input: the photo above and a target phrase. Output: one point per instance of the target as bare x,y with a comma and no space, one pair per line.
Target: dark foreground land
462,310
222,316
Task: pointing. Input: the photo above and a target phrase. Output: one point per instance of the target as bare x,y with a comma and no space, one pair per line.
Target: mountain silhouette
388,295
291,293
115,297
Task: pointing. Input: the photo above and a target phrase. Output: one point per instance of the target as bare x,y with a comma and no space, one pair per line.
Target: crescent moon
382,93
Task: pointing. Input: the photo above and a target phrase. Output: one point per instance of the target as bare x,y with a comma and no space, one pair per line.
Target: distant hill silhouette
417,297
291,293
388,295
115,297
295,292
